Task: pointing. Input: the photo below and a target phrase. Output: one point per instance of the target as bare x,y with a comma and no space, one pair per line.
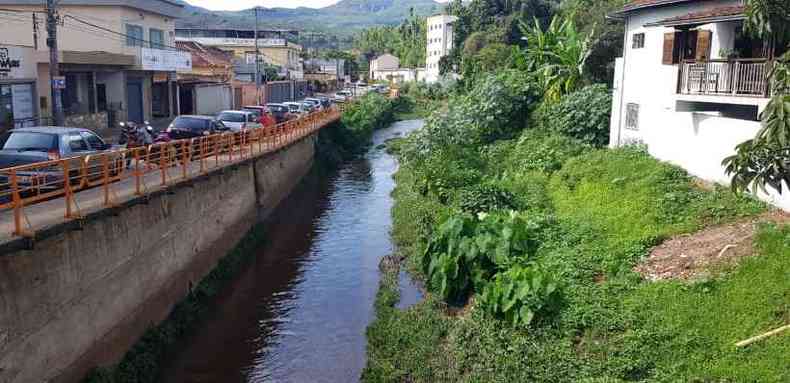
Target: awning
713,15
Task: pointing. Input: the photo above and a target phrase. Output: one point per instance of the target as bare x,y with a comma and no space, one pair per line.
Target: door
134,98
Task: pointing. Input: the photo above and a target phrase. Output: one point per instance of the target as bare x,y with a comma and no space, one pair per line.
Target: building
18,91
116,57
383,63
691,83
440,43
206,89
273,47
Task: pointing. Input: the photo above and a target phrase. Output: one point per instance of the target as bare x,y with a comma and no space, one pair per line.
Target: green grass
609,207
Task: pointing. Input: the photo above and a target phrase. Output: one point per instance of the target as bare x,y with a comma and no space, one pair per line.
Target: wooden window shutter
668,57
703,45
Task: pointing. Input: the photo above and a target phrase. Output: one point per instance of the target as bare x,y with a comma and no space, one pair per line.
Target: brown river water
300,310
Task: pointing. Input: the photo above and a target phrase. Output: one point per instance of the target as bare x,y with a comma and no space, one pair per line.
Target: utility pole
257,61
54,68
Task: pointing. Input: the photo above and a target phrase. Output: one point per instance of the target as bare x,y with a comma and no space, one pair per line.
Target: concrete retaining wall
82,298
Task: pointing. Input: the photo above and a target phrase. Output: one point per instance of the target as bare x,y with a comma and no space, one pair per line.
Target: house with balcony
691,83
118,57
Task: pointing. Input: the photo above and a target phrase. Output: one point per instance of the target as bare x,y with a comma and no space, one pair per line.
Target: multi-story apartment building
115,55
440,43
691,83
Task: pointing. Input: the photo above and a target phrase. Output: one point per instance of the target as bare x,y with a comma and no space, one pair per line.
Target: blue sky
246,4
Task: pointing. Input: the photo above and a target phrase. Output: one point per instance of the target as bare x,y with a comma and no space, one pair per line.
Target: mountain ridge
340,18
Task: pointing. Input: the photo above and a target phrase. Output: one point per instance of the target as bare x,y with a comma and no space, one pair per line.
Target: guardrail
142,168
743,77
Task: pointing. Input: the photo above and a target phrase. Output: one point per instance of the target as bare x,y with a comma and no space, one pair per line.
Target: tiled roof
705,15
205,56
641,4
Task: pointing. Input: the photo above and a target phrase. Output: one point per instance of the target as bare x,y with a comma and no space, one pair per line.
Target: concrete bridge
93,251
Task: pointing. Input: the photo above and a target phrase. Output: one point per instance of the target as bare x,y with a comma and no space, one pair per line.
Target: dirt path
689,255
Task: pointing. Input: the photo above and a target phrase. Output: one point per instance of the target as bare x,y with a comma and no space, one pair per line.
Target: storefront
18,106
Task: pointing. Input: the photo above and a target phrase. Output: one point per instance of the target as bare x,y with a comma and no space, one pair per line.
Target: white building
383,63
440,42
691,83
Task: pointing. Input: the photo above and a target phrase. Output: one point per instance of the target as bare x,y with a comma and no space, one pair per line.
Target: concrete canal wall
83,297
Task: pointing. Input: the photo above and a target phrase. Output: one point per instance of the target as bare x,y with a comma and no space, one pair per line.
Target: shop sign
59,82
7,63
166,60
14,62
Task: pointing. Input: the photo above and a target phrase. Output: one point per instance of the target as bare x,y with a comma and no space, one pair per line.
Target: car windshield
293,108
231,117
28,141
186,123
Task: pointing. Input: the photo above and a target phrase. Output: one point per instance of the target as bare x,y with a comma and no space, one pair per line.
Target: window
632,116
77,144
134,35
638,41
157,38
93,140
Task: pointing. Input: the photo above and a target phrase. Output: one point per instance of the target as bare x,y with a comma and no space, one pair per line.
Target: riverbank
581,221
146,360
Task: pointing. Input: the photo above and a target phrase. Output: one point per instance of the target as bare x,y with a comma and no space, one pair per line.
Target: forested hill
345,17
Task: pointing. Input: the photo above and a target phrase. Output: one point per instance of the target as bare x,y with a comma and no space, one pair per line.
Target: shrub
465,251
361,118
583,115
496,108
485,198
520,293
543,152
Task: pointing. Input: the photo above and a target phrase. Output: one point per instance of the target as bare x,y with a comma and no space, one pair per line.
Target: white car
297,107
238,120
342,96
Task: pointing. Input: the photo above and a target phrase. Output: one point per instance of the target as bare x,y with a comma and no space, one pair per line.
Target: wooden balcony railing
742,77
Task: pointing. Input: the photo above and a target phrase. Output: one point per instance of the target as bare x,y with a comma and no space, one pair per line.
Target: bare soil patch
690,255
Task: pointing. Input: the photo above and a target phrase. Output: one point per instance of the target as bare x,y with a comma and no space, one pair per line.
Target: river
300,310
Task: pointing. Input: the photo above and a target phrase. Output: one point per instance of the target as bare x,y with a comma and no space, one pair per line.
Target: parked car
343,96
280,112
238,120
297,108
25,146
186,126
325,101
317,105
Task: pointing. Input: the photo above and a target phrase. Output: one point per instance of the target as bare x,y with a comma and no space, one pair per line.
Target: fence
745,77
136,171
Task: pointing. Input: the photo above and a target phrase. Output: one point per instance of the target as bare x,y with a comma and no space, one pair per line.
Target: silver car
238,120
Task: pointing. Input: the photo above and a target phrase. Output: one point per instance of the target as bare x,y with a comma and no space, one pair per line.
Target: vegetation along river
299,312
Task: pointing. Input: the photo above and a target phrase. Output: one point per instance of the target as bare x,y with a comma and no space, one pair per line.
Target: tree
558,54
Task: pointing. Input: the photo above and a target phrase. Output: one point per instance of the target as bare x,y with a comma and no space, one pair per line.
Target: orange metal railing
142,169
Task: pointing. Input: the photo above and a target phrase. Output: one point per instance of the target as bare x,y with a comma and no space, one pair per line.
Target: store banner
166,60
16,62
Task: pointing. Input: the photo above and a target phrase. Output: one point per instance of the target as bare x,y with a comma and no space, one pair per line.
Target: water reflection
299,313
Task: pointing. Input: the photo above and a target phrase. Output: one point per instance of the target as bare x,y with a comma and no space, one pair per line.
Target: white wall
696,141
212,99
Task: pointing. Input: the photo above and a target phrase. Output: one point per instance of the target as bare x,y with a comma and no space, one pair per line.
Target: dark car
281,112
27,146
184,127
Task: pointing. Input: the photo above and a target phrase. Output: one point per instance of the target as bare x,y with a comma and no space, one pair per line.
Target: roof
170,8
203,56
196,117
705,16
635,5
50,129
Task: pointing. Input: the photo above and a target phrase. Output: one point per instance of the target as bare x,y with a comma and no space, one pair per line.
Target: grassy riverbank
144,362
527,241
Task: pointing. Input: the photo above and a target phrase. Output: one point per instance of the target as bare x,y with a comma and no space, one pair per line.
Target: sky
235,5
